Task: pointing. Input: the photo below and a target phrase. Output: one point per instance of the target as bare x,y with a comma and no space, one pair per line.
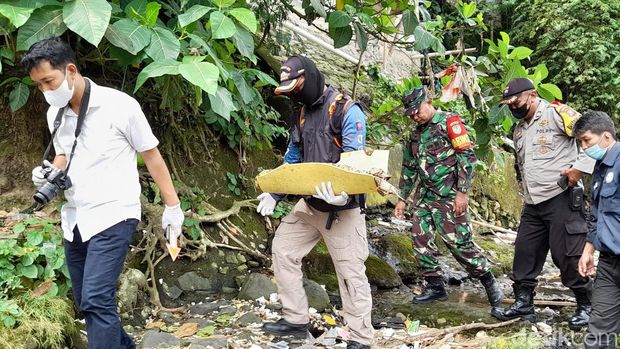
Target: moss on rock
400,246
501,255
382,274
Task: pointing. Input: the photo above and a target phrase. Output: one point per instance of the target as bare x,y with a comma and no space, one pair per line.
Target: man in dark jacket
329,124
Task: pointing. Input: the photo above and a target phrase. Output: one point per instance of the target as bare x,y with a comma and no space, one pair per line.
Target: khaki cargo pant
346,241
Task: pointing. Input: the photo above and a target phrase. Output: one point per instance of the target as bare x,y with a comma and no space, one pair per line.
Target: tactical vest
317,133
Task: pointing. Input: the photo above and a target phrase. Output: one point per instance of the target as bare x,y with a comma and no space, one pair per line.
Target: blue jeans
95,266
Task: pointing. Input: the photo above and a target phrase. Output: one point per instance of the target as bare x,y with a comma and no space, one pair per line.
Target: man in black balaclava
329,124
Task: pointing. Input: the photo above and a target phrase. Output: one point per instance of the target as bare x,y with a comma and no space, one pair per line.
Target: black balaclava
314,83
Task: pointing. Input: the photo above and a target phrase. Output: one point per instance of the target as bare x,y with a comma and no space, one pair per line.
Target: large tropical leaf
341,35
18,96
139,34
222,103
223,3
164,44
221,26
410,22
216,59
245,43
16,14
245,90
202,74
88,18
245,17
157,68
42,24
193,14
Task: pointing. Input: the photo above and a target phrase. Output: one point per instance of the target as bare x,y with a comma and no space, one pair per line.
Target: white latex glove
38,174
173,216
266,205
326,193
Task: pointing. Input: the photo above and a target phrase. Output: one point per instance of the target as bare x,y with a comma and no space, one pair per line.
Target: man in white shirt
103,203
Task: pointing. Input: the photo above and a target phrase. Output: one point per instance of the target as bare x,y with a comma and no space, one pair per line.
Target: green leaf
27,260
152,12
30,271
193,14
216,59
341,36
263,78
157,68
202,74
360,36
540,74
246,92
42,24
139,34
139,6
222,103
552,89
520,53
206,331
423,39
19,228
245,17
317,5
119,39
18,96
223,3
245,43
338,19
88,18
410,22
469,9
17,15
164,45
221,26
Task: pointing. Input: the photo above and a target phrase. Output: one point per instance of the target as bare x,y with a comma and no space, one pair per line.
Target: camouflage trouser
438,216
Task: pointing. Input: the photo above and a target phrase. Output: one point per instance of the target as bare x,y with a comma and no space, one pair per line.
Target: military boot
494,292
523,307
581,317
285,328
434,291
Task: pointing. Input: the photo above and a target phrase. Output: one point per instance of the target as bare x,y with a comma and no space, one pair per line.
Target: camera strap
78,128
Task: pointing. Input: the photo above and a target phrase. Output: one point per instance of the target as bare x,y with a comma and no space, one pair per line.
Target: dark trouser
604,324
94,267
550,225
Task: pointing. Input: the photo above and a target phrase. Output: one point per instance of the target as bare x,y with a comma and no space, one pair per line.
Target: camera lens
46,193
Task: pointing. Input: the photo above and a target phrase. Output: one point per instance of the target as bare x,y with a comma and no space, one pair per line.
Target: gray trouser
604,324
346,241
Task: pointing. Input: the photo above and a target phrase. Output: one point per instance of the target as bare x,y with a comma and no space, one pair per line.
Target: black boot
494,292
582,314
285,328
434,291
356,345
523,307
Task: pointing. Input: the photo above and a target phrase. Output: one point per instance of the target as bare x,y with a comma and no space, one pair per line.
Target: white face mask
61,96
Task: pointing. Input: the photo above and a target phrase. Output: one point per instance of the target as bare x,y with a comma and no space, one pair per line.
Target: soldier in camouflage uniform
439,158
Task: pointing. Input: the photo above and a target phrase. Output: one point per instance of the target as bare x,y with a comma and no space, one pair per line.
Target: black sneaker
285,328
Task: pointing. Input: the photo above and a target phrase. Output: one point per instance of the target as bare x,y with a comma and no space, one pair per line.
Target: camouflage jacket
431,160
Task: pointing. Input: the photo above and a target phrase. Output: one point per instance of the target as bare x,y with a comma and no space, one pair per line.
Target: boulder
154,339
317,296
256,286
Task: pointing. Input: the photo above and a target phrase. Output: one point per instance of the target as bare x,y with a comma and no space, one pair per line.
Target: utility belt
320,205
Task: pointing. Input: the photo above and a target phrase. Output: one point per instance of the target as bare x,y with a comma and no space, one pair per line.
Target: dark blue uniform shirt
605,231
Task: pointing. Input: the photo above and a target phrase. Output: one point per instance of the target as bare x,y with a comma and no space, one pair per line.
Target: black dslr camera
57,180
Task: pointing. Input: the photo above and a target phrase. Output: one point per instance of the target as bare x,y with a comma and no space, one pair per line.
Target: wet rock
171,291
256,286
381,273
317,296
229,309
192,282
207,308
214,342
130,284
154,339
249,318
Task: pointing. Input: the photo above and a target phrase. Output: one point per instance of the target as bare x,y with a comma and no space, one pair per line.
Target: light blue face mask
596,152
